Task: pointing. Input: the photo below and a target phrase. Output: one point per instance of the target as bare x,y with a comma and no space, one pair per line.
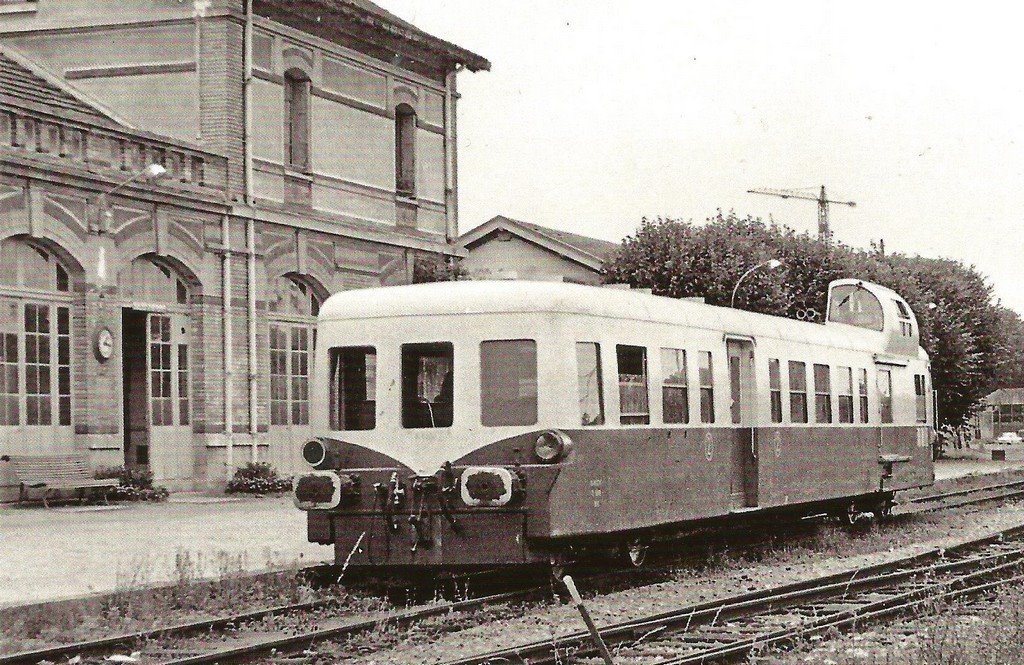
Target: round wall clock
104,344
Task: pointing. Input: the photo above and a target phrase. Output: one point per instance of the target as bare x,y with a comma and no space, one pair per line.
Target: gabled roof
27,84
590,252
1006,396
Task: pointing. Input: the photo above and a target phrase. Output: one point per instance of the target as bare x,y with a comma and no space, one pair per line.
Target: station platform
71,551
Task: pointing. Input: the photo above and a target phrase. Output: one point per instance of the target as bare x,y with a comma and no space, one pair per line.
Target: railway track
235,646
735,627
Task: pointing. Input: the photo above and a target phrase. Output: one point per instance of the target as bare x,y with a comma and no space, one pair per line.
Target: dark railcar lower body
500,505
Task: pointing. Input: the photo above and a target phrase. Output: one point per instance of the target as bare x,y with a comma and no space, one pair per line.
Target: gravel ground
834,552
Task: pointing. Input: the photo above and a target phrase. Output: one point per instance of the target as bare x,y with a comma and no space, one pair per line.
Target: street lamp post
771,264
152,173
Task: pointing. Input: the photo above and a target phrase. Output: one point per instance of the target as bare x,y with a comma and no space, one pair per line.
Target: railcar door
743,485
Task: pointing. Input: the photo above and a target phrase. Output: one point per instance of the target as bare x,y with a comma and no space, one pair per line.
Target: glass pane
353,388
508,383
673,367
704,372
427,385
774,375
632,370
588,377
675,405
856,306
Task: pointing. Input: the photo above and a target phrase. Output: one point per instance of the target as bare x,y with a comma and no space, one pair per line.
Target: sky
596,114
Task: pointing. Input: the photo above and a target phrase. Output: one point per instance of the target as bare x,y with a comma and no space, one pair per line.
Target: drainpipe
451,157
250,231
228,348
250,247
247,103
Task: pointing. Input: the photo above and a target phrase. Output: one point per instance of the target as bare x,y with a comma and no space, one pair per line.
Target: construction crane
824,230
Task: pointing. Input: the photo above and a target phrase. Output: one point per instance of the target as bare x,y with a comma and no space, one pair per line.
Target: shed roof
27,84
376,17
591,252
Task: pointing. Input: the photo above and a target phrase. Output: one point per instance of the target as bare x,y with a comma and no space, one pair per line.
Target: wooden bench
54,473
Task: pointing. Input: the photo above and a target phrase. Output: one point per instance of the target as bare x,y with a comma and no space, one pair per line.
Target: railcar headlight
551,446
314,452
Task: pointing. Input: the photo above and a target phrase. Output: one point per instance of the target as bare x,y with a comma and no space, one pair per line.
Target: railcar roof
503,297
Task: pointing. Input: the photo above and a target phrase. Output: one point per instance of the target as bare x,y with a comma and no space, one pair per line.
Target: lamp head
774,263
154,171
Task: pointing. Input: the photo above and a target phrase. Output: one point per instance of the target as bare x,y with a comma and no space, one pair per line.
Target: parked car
1009,438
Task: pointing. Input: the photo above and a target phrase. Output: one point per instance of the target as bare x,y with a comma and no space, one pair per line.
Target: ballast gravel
834,551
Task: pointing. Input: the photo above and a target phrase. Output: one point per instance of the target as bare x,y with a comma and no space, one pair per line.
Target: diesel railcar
503,423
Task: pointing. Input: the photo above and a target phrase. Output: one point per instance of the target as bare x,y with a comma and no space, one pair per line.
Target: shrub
136,484
258,478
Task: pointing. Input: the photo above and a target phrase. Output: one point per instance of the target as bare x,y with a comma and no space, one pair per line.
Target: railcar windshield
508,382
427,385
353,389
856,306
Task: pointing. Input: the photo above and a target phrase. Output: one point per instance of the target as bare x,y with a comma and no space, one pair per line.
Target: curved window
35,337
293,297
296,118
152,282
405,150
856,306
28,266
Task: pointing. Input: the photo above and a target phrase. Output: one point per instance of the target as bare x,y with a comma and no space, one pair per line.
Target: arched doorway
293,304
36,311
157,412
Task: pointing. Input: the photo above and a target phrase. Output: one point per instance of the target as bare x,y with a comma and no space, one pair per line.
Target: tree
436,268
965,334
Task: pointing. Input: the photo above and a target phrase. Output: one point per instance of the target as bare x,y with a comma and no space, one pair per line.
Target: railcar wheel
636,552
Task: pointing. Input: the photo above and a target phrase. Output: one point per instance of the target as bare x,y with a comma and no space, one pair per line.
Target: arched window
149,281
35,336
293,304
30,266
296,119
405,150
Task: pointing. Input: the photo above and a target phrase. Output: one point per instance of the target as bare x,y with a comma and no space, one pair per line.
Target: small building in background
504,248
1003,411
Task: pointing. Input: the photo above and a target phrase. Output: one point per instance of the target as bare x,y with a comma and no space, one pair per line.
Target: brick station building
168,322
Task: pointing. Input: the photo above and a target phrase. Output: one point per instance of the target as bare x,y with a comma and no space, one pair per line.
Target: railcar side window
775,388
921,395
845,378
822,394
675,399
856,306
707,387
885,394
508,382
427,385
353,390
588,373
797,392
634,408
906,324
862,389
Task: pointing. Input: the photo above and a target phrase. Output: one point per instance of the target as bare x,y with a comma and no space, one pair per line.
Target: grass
201,586
970,632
